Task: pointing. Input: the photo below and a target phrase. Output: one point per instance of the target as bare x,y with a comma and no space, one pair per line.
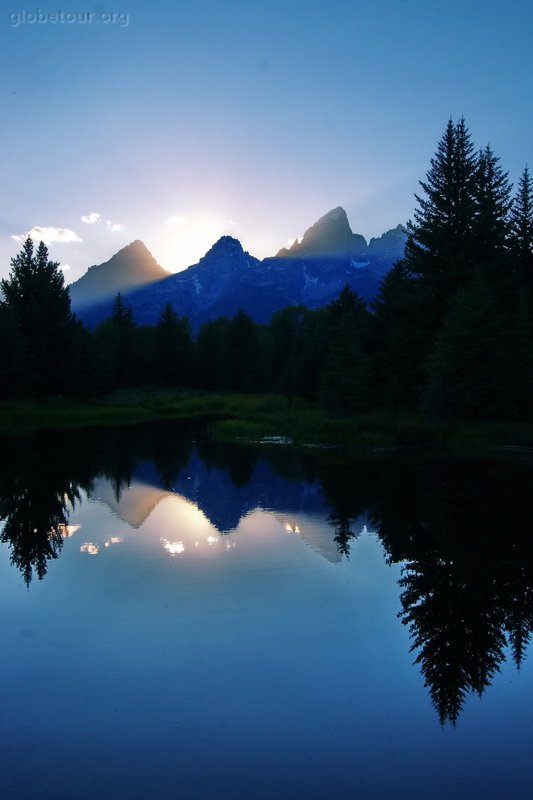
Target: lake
187,619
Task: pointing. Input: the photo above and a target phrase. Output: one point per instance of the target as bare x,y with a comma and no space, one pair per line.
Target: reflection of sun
292,527
186,528
68,530
114,540
174,548
174,513
90,548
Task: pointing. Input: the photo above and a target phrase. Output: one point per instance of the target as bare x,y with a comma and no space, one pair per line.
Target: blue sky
177,122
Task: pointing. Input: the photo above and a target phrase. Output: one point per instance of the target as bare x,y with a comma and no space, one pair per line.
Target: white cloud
94,217
65,267
49,235
114,226
91,217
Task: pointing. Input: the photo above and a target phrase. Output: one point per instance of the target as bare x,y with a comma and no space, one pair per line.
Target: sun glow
185,238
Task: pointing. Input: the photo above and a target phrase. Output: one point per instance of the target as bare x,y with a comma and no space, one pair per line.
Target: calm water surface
186,620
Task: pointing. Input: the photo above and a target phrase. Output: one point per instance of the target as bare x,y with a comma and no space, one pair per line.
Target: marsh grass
265,418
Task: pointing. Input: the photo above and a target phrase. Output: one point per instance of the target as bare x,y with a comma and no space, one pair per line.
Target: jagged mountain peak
131,267
136,246
226,254
136,249
225,245
329,237
397,234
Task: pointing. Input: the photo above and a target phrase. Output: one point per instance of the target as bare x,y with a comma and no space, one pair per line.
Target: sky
179,121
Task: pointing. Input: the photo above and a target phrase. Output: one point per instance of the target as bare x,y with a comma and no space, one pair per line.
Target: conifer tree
401,345
491,222
124,324
243,354
522,230
346,374
286,337
36,295
470,370
438,248
15,378
172,349
210,354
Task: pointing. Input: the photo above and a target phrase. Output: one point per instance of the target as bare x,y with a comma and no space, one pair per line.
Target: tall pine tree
438,249
172,350
522,230
37,297
491,222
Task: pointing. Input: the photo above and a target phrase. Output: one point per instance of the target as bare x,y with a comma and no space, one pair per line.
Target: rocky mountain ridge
311,272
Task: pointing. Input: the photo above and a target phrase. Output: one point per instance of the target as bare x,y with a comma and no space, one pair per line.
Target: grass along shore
263,419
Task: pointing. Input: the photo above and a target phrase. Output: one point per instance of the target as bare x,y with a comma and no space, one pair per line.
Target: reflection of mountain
223,501
134,503
313,530
317,532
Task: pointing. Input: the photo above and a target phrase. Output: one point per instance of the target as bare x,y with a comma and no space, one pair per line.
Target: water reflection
462,530
459,528
35,501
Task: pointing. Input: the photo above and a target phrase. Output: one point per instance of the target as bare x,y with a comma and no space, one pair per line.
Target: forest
448,335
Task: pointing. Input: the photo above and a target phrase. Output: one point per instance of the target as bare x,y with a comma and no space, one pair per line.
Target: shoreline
268,420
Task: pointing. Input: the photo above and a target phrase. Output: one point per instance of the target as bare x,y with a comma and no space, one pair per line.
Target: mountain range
311,272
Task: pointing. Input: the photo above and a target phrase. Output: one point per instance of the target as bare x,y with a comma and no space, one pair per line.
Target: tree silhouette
401,345
172,350
438,248
469,367
522,230
15,376
491,225
36,296
125,354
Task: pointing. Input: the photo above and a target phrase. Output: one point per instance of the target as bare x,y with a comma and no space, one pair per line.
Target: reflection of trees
344,535
456,627
41,476
237,460
461,529
35,529
350,493
34,504
467,587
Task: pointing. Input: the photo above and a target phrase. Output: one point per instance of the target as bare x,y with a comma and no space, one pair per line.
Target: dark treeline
450,332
